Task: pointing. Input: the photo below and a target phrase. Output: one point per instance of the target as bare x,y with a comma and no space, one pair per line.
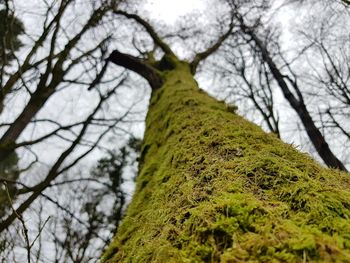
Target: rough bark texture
213,187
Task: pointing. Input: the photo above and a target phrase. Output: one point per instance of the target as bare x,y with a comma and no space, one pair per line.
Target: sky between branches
169,11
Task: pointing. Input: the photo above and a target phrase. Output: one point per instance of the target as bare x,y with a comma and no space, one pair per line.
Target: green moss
214,187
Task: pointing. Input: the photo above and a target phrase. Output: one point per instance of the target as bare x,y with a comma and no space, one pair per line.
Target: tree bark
213,187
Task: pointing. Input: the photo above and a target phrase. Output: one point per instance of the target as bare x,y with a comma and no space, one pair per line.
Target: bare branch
297,104
150,30
139,66
203,55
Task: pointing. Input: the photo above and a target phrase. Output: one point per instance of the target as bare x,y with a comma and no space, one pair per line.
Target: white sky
171,10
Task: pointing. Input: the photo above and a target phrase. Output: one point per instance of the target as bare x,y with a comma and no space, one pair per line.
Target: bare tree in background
10,30
66,56
88,225
327,56
248,82
264,47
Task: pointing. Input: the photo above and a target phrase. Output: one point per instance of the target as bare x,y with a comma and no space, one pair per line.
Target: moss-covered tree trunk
213,187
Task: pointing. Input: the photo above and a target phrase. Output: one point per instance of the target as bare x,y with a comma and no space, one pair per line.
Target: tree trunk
213,187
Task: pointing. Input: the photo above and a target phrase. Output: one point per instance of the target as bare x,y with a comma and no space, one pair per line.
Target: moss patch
214,187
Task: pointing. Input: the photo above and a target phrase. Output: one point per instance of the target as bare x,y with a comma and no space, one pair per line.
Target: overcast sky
170,11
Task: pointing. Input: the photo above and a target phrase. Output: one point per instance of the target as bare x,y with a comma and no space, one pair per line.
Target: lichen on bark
213,187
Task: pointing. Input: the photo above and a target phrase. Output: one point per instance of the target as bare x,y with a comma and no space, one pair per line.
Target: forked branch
150,30
203,55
